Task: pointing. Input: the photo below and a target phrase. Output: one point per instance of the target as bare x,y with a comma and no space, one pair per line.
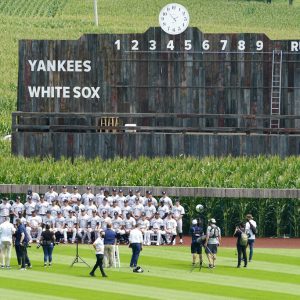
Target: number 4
170,45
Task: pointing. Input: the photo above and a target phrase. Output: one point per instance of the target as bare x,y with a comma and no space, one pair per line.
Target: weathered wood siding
161,81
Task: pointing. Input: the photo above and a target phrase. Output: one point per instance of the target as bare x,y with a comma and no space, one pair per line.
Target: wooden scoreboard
158,94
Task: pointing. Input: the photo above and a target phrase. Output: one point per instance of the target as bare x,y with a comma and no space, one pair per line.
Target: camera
38,246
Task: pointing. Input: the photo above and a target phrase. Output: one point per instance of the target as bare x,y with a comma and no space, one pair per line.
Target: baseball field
273,274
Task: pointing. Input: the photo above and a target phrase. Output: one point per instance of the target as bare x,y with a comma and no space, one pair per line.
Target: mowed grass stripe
16,294
145,291
54,291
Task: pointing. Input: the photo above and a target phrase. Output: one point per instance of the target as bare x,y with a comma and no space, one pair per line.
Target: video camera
201,240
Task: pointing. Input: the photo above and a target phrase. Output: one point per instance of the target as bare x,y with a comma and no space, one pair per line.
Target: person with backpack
213,240
251,228
241,244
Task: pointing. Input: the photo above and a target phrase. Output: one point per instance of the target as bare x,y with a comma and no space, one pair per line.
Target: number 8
241,45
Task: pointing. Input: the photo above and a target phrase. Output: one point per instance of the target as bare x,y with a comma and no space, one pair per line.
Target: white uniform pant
73,230
34,232
151,233
5,253
179,226
83,233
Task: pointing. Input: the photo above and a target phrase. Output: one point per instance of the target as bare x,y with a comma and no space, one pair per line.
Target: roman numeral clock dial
174,18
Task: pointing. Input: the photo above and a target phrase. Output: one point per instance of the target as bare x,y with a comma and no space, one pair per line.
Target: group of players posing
72,215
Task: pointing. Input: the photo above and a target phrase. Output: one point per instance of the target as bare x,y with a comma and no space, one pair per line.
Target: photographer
196,246
47,242
21,244
241,243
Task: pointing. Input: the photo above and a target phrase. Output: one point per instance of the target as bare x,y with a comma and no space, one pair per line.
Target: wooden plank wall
161,81
171,191
109,145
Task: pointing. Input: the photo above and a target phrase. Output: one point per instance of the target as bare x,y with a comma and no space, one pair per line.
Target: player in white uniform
94,225
115,208
99,197
74,196
129,224
167,200
103,207
35,196
51,195
170,228
163,209
149,210
42,207
49,220
29,207
66,208
144,226
64,195
83,231
59,225
114,194
149,196
17,209
70,226
85,198
105,219
34,226
117,225
156,228
89,208
108,197
54,208
126,209
5,208
137,209
178,213
121,198
130,197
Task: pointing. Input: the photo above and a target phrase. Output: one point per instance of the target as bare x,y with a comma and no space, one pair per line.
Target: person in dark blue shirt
21,244
196,247
109,243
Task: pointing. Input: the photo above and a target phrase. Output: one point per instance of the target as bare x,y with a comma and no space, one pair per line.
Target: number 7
224,44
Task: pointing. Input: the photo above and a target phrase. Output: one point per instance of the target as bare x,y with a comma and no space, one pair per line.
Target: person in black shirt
47,242
241,243
21,243
196,247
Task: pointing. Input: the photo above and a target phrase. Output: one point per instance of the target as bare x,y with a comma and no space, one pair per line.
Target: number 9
259,45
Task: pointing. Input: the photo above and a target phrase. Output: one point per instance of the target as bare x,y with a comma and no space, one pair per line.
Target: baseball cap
130,190
249,216
213,221
29,197
163,192
75,188
114,190
137,191
116,213
120,191
50,187
64,187
194,222
29,192
143,214
177,200
104,212
18,197
88,187
94,211
48,212
149,200
42,196
83,209
125,201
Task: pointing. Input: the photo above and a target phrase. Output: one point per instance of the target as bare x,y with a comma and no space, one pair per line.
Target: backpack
244,239
214,232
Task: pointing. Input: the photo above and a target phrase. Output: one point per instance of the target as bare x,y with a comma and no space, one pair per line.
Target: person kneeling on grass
99,248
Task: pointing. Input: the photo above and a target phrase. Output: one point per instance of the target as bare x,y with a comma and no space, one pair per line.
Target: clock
174,18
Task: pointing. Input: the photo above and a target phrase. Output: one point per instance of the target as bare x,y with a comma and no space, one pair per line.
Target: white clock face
174,18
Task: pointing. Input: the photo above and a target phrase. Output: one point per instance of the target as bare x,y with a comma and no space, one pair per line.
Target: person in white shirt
167,200
35,196
136,244
94,225
29,207
64,195
121,198
74,196
129,224
17,208
42,207
6,232
99,197
70,226
251,228
156,226
163,209
178,213
4,209
99,248
87,196
170,228
83,231
59,226
34,227
51,195
130,197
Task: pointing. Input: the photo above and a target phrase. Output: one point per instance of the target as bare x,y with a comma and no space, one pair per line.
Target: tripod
77,258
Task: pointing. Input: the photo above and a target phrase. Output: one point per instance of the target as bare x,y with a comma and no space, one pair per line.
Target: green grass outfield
274,274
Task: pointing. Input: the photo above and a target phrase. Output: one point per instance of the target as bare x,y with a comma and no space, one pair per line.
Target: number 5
187,44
